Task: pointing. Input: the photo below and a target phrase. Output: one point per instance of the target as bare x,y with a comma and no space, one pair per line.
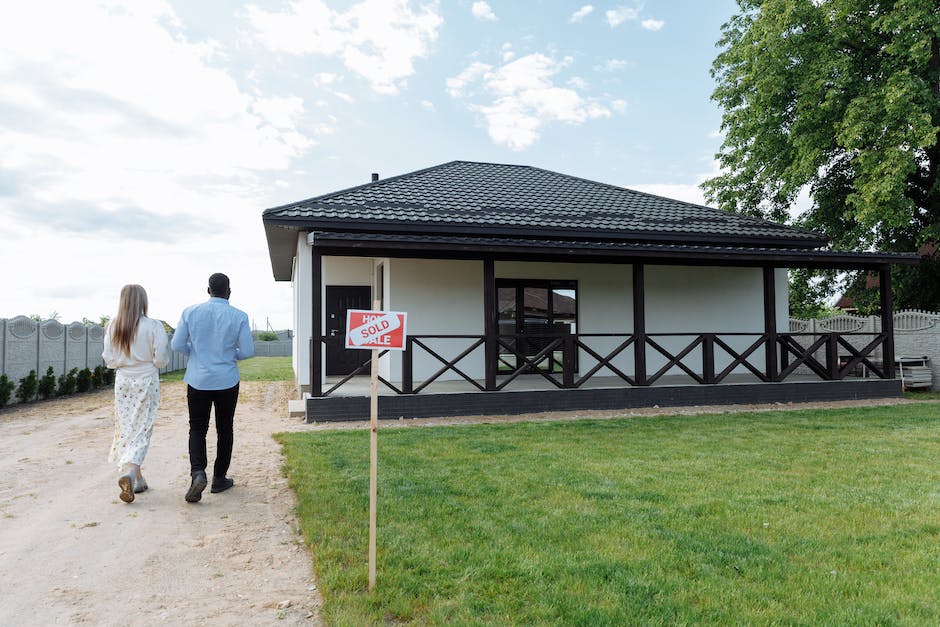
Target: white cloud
611,65
428,105
678,191
158,103
508,53
483,11
653,25
689,192
617,16
141,148
577,82
378,39
582,13
619,105
456,85
325,78
523,98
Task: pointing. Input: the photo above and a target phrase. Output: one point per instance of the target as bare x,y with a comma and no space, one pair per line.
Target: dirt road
72,553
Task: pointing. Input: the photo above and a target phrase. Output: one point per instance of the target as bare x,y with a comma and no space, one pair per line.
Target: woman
136,347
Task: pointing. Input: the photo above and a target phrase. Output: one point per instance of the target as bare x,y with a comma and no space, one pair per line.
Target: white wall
302,284
708,299
445,297
441,297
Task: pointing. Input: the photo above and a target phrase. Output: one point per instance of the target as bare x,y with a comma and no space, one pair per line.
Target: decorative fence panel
916,334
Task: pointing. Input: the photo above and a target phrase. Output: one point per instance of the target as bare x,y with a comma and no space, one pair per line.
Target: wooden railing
830,356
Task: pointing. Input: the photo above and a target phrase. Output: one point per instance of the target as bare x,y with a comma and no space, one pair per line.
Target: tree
840,98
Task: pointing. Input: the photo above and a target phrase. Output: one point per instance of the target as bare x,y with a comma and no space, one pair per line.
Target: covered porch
564,368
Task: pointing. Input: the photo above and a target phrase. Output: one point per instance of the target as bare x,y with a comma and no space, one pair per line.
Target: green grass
922,395
254,369
796,517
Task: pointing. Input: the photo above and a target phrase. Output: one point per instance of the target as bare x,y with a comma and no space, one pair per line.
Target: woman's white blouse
149,350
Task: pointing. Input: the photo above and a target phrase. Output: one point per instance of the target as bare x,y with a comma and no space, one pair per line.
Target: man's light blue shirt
214,335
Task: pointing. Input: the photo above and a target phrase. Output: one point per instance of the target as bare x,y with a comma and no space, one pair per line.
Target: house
529,290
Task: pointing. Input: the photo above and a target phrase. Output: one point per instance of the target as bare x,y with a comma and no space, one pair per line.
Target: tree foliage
840,98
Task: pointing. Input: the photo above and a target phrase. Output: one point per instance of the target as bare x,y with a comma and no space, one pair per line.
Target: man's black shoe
194,494
221,484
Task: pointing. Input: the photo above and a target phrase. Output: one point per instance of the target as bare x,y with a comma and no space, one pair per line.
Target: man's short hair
218,284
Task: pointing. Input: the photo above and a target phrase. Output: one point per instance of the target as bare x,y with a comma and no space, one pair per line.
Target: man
214,335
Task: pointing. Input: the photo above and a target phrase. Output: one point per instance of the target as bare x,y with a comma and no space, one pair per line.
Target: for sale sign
375,329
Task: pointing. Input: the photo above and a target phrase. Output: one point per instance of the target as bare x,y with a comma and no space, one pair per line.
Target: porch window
532,313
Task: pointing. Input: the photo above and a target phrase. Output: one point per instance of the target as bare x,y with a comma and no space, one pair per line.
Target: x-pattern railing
842,358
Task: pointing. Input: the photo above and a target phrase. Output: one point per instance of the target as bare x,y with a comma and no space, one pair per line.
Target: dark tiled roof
469,198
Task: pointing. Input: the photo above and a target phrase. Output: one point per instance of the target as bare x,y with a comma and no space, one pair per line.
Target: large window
532,313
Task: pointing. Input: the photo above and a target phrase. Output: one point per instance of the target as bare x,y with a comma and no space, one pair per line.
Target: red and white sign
375,329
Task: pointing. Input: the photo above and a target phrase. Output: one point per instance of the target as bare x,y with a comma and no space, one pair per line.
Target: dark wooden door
339,298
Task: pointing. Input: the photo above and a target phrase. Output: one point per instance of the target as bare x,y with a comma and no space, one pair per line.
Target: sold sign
375,329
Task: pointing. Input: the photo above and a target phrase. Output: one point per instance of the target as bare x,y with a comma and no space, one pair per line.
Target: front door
339,298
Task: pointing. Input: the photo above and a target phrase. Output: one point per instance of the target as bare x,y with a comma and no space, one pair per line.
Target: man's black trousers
200,402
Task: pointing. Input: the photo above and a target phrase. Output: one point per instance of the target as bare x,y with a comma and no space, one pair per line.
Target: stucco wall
441,297
302,284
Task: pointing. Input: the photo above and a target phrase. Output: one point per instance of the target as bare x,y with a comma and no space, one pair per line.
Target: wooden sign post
378,330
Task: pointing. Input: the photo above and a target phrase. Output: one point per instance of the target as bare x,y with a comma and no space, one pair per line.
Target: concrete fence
29,345
916,334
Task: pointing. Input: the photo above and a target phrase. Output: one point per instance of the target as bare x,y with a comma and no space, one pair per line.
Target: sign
383,330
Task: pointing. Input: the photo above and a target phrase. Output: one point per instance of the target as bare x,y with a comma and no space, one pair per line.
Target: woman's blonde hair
131,306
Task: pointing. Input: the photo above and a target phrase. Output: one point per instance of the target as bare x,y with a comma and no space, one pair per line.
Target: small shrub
46,387
267,336
27,389
6,389
83,380
99,377
67,383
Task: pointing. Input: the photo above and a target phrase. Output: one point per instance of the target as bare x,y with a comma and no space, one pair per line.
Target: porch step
297,408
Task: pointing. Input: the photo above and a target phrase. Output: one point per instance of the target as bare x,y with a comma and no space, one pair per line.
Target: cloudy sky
140,140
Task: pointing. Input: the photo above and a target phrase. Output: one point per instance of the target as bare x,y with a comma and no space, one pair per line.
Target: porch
536,373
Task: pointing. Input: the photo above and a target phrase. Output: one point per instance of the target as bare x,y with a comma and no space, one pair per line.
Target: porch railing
569,361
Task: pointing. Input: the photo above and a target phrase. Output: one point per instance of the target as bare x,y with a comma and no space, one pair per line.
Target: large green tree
840,98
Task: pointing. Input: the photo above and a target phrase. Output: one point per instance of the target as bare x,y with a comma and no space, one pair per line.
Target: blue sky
141,140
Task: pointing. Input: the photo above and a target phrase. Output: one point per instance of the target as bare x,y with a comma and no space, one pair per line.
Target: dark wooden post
567,361
708,357
490,324
887,320
407,367
316,319
770,323
639,324
832,356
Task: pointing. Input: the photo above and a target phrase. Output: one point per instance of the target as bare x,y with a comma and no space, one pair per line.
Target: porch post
639,324
490,326
887,319
770,323
316,328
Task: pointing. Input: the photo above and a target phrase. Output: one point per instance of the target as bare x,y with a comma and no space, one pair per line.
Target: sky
141,140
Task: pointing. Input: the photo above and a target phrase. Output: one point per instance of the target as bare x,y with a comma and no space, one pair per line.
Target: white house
529,290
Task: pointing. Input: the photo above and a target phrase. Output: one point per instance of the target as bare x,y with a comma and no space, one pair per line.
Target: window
532,314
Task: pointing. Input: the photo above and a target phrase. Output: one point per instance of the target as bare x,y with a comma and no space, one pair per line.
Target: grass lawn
254,369
921,395
796,517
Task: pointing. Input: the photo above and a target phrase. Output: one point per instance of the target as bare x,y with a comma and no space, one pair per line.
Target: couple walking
214,335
